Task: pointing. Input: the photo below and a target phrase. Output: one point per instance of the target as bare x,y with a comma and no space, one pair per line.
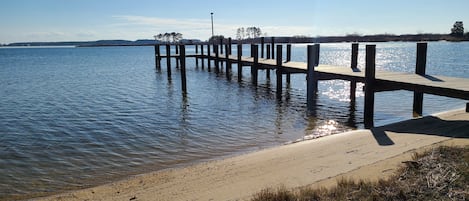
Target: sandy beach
365,154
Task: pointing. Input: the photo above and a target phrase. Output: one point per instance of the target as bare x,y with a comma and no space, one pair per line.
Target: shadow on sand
427,125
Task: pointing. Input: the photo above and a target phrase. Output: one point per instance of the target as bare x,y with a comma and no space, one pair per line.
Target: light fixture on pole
212,22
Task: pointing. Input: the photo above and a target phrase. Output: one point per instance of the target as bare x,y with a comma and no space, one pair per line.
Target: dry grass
439,174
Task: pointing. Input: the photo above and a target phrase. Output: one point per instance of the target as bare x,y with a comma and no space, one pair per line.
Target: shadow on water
427,125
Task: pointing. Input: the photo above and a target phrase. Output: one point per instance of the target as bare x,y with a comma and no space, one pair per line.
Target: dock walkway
375,81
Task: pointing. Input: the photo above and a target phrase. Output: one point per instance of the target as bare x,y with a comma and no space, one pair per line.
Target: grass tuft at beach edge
438,174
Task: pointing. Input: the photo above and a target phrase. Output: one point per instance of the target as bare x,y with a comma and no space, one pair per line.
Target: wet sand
365,154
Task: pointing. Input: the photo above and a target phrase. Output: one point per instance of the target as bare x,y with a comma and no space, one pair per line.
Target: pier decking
375,81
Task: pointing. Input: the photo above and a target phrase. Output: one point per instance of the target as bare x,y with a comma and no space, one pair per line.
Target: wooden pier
374,81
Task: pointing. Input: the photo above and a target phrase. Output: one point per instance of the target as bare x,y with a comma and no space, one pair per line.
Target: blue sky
82,20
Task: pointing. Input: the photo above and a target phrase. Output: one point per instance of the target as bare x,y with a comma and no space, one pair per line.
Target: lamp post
212,22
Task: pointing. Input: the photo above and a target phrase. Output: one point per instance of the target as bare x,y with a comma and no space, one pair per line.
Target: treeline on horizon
267,39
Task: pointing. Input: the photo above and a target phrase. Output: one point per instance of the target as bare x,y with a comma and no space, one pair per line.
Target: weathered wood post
262,46
272,43
267,71
369,85
311,79
420,70
182,57
288,60
221,45
240,64
279,70
268,51
354,60
467,107
168,59
202,55
177,58
217,59
317,55
209,58
197,55
227,62
353,65
229,46
255,66
157,57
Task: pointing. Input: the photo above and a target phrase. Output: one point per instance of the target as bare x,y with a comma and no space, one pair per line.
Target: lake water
76,117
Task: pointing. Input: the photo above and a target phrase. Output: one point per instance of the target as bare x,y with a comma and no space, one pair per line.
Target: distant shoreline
294,39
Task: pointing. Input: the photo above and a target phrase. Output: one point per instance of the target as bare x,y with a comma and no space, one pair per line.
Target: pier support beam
168,60
369,86
177,58
182,59
272,43
209,58
279,70
221,45
353,65
240,64
229,46
227,62
262,46
157,57
420,70
196,54
202,56
467,107
288,60
311,79
267,71
268,51
255,66
217,58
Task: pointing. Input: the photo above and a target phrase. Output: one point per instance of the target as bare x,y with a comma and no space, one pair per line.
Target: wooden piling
272,43
369,86
268,51
288,60
288,53
255,66
227,62
221,45
182,57
267,71
202,56
196,53
178,61
354,66
354,60
217,58
279,70
317,55
157,57
209,58
311,79
420,70
262,46
168,59
467,107
229,46
240,64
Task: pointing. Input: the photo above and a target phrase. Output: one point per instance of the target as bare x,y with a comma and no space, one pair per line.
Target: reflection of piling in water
374,81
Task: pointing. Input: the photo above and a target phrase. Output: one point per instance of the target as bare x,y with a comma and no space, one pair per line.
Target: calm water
75,117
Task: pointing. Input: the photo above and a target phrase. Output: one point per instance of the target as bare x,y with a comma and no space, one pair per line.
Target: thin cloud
201,28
